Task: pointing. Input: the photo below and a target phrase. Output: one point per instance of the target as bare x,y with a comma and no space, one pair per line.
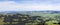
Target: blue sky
29,5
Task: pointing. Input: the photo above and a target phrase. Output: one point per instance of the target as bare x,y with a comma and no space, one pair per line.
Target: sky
29,5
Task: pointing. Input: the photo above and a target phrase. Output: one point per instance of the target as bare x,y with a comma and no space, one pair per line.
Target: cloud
13,6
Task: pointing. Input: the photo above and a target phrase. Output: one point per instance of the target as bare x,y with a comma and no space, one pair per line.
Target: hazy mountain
29,12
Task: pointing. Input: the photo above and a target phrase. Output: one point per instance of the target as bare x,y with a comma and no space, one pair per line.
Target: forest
30,18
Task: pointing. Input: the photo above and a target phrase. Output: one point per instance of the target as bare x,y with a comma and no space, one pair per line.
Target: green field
52,18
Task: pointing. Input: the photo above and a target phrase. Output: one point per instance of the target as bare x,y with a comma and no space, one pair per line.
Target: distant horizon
37,10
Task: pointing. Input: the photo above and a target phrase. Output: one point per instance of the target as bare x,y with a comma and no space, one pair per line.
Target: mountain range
29,12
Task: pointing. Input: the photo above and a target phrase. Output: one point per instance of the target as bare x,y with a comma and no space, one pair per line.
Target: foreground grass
1,21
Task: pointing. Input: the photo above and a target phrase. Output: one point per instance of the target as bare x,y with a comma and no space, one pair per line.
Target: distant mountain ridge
29,12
